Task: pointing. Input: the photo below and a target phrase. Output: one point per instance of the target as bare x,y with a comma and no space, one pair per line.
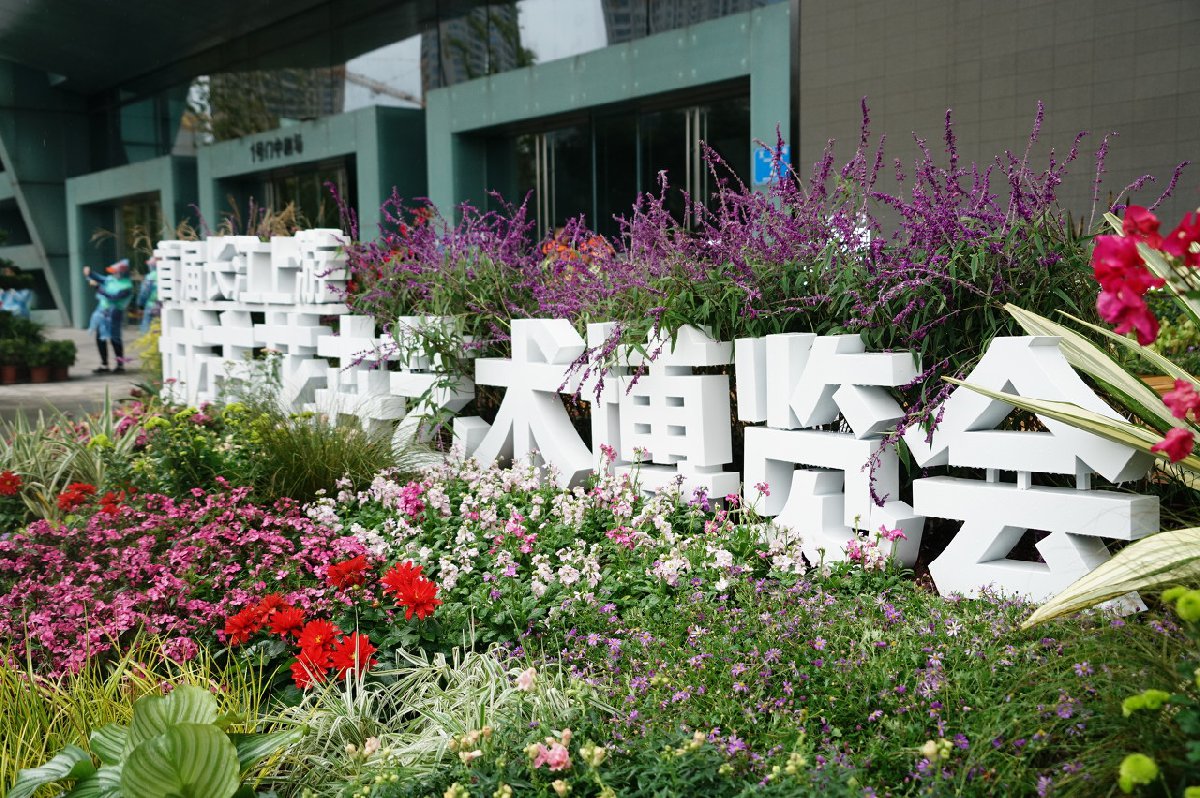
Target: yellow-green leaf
1162,559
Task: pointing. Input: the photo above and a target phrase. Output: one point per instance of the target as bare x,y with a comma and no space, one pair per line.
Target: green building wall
754,45
43,140
388,146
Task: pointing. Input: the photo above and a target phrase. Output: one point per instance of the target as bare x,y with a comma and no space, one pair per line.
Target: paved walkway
84,391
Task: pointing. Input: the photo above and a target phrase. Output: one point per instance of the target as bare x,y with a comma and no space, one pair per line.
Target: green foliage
1163,721
90,710
62,353
413,718
41,354
174,747
55,450
13,351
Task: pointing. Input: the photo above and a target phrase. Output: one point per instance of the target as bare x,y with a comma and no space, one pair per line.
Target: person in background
114,292
148,295
15,300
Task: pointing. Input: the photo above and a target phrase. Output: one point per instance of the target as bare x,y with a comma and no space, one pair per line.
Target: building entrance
597,166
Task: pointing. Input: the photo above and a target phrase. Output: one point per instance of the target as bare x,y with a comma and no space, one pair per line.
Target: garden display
839,489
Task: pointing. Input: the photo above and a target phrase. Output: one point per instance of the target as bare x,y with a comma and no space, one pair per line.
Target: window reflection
598,167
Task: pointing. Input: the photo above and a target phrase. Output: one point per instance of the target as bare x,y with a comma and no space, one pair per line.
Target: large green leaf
1167,558
1091,360
154,714
1089,421
70,763
190,760
1164,365
253,747
104,783
108,742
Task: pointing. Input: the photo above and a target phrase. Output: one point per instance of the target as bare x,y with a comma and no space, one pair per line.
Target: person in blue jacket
15,300
114,292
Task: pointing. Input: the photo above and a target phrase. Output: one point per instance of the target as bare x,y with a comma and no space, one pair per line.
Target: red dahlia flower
241,627
398,577
353,653
10,484
306,672
317,639
270,603
349,573
287,621
419,598
75,496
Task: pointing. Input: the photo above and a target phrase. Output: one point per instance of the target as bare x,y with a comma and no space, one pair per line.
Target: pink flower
554,757
526,680
1142,225
1117,264
1182,399
1177,445
1128,311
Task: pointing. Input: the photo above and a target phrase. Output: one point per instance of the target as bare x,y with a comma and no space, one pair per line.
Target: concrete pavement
84,391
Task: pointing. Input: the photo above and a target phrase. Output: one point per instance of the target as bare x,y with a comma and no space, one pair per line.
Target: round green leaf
154,714
188,761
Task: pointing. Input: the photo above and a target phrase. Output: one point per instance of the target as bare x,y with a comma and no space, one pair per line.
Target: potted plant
39,357
62,358
12,360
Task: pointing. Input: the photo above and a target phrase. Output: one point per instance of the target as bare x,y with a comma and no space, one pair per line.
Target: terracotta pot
39,374
10,375
60,373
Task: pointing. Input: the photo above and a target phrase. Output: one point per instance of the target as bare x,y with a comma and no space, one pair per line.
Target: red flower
317,639
419,598
1179,241
1128,311
10,484
75,496
1117,264
306,672
1177,445
287,621
1142,225
269,603
398,577
349,573
353,653
241,627
1183,399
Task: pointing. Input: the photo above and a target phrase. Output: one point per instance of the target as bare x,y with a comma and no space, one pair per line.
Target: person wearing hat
114,291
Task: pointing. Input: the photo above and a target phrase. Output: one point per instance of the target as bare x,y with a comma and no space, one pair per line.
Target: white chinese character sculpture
674,425
421,381
532,422
997,513
851,483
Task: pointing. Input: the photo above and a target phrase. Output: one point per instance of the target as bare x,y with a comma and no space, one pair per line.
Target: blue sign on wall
765,168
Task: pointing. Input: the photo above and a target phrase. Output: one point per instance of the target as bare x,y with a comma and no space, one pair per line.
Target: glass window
598,167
